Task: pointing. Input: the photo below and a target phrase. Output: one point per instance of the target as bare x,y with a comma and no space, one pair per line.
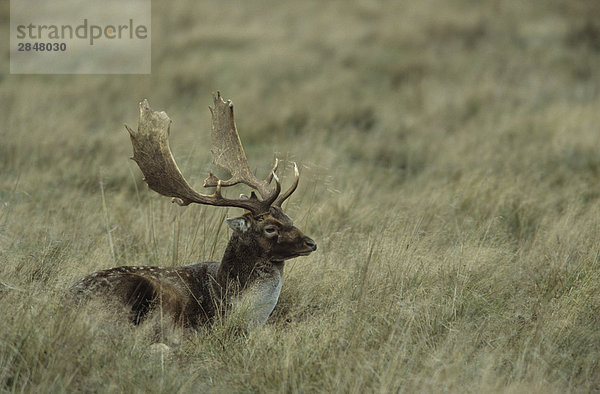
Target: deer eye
271,230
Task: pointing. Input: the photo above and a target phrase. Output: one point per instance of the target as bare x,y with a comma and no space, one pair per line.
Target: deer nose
310,243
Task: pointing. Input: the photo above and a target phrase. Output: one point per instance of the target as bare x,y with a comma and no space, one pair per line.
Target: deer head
264,229
273,233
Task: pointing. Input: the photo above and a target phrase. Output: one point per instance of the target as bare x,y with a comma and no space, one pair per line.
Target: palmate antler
152,154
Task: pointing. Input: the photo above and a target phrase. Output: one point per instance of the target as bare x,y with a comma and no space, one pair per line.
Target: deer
262,238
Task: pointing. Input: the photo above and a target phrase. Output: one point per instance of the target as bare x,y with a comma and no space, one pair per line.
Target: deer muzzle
310,243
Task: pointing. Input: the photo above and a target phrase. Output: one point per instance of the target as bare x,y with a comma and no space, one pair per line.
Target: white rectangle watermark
80,36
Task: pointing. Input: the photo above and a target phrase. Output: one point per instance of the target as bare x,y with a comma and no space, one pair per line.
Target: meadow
449,173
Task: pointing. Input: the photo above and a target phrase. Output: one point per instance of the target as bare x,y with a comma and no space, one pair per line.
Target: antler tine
292,188
272,173
275,193
153,155
228,152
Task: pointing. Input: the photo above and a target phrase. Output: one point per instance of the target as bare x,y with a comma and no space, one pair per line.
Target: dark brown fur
193,294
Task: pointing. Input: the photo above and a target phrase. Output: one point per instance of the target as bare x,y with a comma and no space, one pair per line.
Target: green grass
449,174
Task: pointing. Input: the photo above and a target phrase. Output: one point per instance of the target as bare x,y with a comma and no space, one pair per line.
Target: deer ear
238,224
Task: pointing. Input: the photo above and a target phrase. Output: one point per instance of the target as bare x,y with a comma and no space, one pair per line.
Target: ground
449,173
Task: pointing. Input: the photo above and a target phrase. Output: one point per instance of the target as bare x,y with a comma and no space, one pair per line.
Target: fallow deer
262,238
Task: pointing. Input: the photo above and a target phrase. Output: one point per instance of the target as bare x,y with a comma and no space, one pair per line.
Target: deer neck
243,261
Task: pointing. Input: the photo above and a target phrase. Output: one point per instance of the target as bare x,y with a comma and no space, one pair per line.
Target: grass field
449,173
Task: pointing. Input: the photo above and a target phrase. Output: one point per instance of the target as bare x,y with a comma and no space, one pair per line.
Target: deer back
185,293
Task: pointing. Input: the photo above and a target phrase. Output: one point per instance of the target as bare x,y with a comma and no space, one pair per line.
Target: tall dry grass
449,175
